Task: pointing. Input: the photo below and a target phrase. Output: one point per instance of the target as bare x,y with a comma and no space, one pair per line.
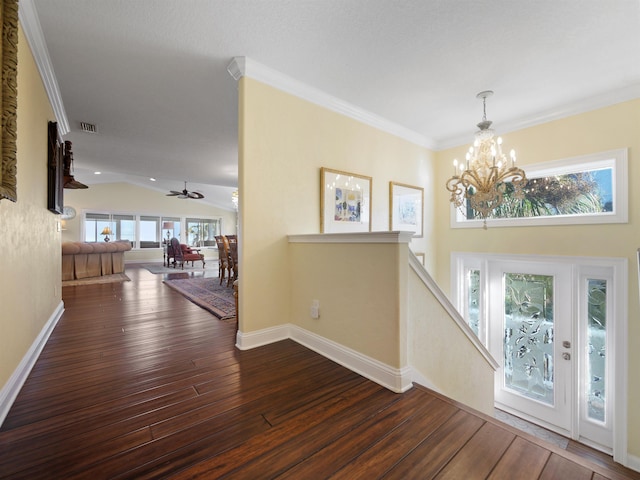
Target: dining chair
232,241
224,269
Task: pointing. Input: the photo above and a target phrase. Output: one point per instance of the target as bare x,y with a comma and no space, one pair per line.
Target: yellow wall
440,352
284,141
128,198
357,286
28,233
372,302
608,128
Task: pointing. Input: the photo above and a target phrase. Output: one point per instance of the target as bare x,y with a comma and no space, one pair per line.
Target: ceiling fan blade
185,193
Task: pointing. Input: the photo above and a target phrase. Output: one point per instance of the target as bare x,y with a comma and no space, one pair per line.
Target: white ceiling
152,74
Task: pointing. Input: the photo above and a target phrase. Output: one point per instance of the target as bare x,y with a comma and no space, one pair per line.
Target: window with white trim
589,189
150,231
201,232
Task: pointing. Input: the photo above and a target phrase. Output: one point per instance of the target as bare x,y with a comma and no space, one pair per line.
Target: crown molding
594,102
33,31
244,66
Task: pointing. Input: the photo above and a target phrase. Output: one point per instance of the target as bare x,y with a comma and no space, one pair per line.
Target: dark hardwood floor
138,382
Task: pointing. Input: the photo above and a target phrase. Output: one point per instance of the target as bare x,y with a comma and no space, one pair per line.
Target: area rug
206,292
158,268
116,277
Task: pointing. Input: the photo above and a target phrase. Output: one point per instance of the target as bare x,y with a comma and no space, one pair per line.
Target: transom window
580,190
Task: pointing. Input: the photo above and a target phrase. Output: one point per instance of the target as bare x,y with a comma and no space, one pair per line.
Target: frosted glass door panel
528,336
473,300
597,343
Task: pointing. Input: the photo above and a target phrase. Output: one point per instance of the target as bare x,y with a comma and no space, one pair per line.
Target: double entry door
550,325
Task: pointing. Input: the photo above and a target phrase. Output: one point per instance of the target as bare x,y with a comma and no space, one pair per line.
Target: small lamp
168,226
106,231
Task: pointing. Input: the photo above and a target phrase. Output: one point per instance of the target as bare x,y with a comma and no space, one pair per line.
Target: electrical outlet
315,309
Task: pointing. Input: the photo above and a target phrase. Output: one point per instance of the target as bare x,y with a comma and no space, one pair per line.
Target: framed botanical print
345,202
406,208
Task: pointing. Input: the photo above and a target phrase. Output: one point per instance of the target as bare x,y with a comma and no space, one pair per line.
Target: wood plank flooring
138,382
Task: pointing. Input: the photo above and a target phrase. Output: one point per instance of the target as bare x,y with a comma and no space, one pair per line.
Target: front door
557,327
531,333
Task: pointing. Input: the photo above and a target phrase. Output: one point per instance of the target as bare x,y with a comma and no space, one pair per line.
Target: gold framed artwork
8,97
345,202
406,208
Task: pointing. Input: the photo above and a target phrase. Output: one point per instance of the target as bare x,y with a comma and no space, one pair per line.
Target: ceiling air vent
88,127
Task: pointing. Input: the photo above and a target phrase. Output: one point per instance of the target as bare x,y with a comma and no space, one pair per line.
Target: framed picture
55,182
345,202
406,208
8,98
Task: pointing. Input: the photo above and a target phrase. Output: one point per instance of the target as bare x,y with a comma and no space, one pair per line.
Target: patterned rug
116,277
206,292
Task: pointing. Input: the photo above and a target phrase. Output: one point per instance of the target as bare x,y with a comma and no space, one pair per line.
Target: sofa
84,260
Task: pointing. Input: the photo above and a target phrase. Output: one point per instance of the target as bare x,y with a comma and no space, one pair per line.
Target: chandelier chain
484,109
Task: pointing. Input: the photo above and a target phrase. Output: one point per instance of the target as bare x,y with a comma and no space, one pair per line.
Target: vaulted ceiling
151,75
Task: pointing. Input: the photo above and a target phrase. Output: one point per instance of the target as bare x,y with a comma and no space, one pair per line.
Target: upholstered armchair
178,253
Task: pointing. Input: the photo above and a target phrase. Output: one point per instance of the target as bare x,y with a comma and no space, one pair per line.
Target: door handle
566,356
566,344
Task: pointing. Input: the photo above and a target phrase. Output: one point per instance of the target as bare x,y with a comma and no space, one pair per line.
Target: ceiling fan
185,193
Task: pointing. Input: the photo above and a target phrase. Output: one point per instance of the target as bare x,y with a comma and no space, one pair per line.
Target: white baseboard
11,389
396,380
633,462
247,341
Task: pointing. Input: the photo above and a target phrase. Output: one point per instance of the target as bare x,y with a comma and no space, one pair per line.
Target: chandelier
479,183
234,198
